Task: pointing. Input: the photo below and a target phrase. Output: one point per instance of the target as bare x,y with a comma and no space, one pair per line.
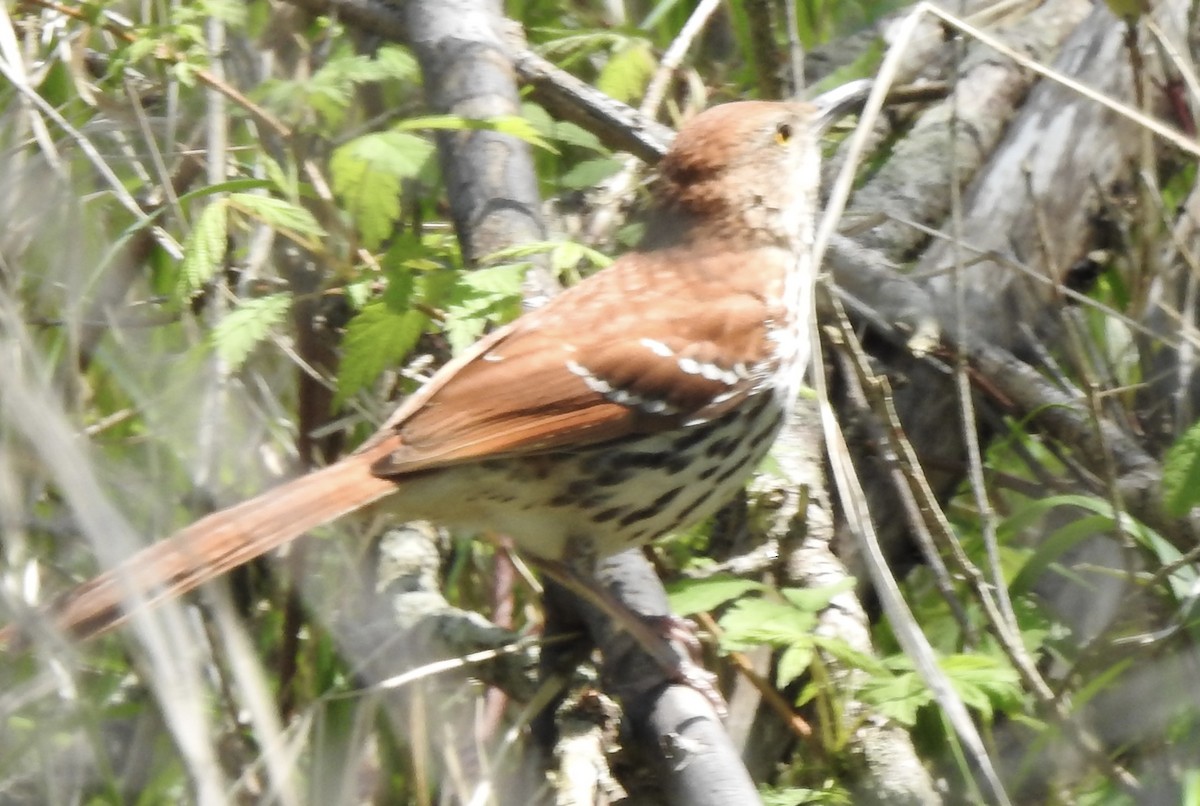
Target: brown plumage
630,405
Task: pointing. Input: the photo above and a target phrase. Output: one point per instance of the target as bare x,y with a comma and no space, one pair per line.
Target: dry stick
917,519
795,48
620,186
1177,60
216,83
93,154
908,632
770,694
1124,110
962,387
914,643
618,125
878,392
762,47
673,57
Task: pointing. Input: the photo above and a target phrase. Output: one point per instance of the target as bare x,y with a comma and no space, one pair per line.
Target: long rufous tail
218,543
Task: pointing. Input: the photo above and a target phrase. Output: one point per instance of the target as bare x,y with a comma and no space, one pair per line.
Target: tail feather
219,543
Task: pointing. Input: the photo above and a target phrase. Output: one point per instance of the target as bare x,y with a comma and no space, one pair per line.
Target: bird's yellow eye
783,133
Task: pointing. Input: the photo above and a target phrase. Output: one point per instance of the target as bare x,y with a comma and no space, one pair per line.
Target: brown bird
629,406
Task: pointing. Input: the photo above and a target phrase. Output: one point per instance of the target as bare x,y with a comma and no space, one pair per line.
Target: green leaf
1181,473
330,91
367,172
815,600
590,173
377,338
513,125
626,74
574,135
797,796
204,250
751,622
482,297
1182,580
702,595
277,213
232,186
898,697
236,335
793,662
568,255
985,683
504,281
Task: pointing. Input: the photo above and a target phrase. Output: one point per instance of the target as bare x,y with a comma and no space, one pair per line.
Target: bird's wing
573,373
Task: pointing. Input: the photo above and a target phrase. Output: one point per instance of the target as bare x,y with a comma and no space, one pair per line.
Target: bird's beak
832,106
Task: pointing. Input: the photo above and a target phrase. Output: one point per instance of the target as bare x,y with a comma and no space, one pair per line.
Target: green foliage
1181,473
512,125
590,173
325,98
480,298
627,71
378,338
985,684
237,334
829,795
368,173
1102,520
751,621
204,250
282,216
690,596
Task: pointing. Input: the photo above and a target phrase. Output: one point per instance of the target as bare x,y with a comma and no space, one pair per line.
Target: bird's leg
624,588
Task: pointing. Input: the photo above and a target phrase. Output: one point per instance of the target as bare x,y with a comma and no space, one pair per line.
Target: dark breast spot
720,447
651,509
607,515
691,438
731,470
767,430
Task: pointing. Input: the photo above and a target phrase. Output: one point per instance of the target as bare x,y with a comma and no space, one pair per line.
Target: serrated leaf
628,71
463,331
377,338
480,297
1181,473
513,125
284,181
797,796
897,697
793,662
815,600
236,335
983,682
330,90
231,186
503,280
399,289
838,649
567,255
204,250
702,595
367,172
278,214
590,173
575,135
761,621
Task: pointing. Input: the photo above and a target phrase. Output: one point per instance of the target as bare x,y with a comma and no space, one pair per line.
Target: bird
631,405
